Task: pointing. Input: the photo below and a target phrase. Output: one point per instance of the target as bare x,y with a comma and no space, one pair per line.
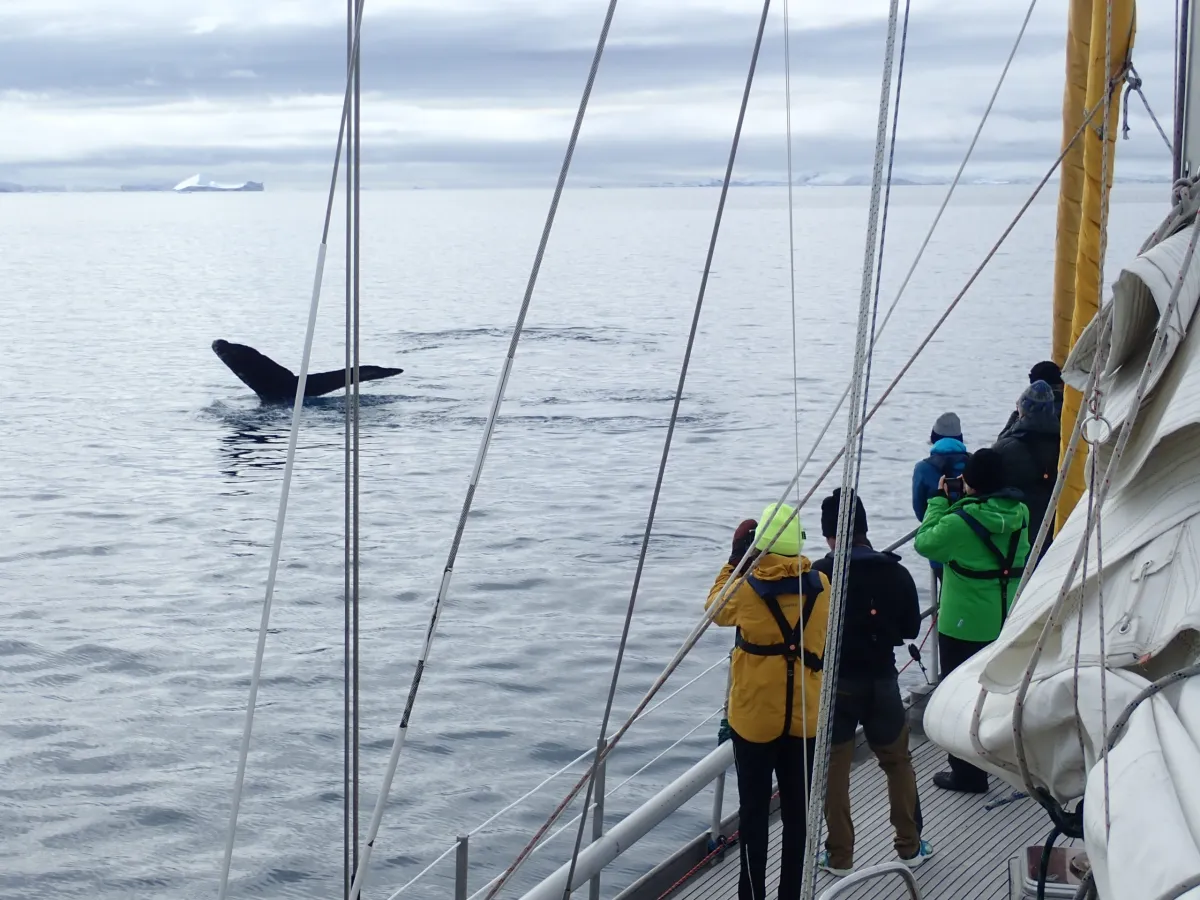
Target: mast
1187,95
1070,193
1099,42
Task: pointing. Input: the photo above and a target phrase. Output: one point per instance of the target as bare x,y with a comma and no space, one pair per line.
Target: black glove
743,540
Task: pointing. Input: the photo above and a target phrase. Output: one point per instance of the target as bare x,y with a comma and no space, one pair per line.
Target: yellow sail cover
1081,220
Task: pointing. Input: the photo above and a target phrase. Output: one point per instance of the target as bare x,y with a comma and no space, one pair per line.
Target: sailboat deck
972,845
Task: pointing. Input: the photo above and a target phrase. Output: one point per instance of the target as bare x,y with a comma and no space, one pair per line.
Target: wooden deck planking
972,845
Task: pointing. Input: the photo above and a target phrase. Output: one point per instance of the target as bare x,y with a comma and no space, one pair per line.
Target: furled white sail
1150,585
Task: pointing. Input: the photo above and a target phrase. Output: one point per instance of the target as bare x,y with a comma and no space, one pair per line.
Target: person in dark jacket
1049,372
947,456
1029,451
982,540
882,611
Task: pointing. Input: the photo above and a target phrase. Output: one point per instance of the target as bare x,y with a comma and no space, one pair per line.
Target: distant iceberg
197,183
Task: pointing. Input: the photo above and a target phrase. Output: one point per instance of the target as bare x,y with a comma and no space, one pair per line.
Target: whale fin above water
275,384
319,383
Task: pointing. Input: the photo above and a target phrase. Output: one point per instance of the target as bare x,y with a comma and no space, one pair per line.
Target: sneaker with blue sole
924,852
823,863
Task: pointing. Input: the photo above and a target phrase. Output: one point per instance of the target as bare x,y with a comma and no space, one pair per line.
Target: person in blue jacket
947,458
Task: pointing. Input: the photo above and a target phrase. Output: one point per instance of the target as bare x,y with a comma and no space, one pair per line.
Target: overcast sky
467,92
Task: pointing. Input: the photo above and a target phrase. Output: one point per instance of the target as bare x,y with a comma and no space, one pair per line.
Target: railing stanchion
935,657
714,831
460,868
598,824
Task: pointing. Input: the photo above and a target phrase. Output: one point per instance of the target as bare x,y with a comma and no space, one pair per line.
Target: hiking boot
947,781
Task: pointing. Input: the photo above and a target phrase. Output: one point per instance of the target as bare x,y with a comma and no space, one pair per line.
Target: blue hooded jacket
947,457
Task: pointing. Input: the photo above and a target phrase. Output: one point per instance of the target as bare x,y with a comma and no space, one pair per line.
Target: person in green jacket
982,541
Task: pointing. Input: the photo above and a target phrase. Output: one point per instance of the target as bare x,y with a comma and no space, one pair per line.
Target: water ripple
141,520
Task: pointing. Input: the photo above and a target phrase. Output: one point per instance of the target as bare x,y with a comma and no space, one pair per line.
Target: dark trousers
954,652
874,703
784,758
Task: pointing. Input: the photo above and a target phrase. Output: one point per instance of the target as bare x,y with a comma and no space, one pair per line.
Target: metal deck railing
608,846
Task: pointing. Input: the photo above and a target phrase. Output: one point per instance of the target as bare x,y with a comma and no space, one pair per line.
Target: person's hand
942,485
743,538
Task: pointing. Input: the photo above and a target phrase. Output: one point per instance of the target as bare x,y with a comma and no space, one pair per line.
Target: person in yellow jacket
780,612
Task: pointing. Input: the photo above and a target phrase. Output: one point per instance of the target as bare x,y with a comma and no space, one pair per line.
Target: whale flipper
267,378
275,384
320,383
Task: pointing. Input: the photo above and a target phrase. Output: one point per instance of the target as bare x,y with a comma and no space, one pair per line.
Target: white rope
486,822
601,737
1044,531
787,92
752,554
533,852
929,233
1095,500
1064,463
289,465
1103,676
850,470
1175,62
497,400
1133,85
1094,408
679,741
425,871
562,771
1098,396
280,518
1156,350
1083,577
1080,730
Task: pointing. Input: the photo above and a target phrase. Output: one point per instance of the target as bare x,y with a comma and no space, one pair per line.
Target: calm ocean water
141,479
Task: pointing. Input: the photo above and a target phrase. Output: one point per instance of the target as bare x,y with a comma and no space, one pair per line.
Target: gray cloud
451,59
467,66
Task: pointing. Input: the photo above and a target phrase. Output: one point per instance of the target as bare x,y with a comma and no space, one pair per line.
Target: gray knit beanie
946,426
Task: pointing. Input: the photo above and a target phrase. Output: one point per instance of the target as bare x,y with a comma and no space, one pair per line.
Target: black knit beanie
984,471
829,515
1048,371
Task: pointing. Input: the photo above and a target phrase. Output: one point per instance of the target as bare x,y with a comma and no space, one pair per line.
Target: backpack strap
1005,570
792,648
